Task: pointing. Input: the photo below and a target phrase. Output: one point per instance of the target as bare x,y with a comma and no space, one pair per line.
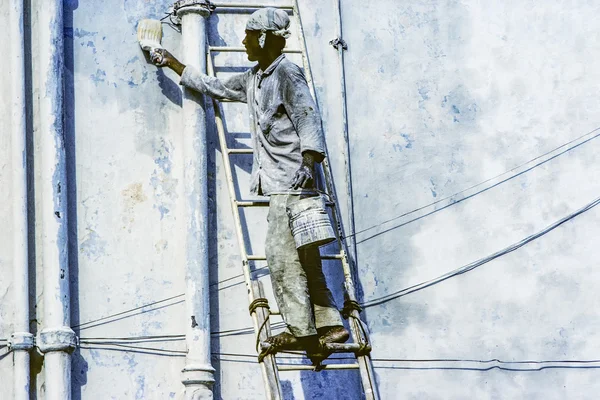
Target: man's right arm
233,88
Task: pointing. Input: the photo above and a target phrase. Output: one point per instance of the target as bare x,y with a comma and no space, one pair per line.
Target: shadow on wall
79,365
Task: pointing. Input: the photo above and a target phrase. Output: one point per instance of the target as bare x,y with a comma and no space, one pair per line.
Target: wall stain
132,196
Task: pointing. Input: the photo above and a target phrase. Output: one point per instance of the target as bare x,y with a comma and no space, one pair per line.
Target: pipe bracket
198,374
21,341
182,7
339,42
57,339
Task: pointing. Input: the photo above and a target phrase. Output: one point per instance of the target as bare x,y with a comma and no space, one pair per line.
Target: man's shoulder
288,68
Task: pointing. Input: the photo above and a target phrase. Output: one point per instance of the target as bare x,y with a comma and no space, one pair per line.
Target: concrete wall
442,96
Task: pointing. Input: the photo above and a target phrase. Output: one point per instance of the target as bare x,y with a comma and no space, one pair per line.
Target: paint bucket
309,222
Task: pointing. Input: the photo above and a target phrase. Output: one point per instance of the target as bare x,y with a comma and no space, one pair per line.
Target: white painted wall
442,96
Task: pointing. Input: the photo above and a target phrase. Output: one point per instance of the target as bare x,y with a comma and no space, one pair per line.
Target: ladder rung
331,347
256,203
304,367
323,257
243,49
240,151
242,5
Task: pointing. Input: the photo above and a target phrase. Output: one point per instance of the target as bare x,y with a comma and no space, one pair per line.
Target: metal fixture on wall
198,374
57,339
21,341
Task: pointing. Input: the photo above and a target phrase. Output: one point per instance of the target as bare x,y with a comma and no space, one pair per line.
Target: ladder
259,307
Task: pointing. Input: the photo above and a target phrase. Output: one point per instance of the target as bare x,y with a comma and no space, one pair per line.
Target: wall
444,97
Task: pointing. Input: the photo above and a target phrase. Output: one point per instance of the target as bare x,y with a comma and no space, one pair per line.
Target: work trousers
297,276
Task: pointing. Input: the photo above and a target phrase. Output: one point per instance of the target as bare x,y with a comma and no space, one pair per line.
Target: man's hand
162,58
304,177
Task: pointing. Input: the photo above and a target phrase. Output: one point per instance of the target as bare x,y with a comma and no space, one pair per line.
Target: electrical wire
128,346
136,338
483,365
176,337
245,331
156,353
126,312
473,265
576,143
493,360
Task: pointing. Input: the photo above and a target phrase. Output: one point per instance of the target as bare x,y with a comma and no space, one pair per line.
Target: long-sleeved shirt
284,120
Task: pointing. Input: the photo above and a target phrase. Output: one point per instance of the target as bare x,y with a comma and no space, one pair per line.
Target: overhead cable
473,265
127,311
516,171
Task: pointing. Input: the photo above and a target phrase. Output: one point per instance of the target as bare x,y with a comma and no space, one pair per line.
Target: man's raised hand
162,58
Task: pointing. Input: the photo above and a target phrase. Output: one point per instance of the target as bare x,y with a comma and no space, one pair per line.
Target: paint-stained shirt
284,120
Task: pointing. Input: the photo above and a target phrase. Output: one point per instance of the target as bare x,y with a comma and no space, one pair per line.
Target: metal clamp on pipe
182,7
58,339
21,341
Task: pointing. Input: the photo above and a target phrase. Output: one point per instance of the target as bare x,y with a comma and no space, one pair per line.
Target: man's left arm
302,110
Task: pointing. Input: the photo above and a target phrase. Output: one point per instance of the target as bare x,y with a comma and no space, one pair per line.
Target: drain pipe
21,341
198,373
57,339
341,46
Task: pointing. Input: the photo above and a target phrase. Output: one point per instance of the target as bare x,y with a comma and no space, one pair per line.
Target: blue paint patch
163,160
172,395
433,188
460,105
163,211
93,247
97,358
408,139
317,31
79,33
141,382
423,92
131,363
99,76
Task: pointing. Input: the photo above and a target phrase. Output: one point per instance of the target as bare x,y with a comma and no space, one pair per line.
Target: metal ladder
259,308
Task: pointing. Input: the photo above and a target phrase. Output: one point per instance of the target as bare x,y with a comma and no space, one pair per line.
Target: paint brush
149,34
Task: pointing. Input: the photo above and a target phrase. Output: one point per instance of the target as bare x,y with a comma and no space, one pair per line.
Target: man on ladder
287,139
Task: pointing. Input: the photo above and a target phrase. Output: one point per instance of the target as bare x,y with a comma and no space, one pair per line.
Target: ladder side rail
230,186
268,368
365,364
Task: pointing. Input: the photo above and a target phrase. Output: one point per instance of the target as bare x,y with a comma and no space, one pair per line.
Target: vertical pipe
21,341
349,191
198,374
56,340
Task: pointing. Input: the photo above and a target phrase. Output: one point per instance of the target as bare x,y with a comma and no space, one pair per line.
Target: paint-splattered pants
297,277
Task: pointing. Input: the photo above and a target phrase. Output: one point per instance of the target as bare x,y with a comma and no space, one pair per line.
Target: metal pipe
56,340
21,341
198,373
344,103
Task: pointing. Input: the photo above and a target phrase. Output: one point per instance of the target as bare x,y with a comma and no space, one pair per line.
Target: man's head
266,31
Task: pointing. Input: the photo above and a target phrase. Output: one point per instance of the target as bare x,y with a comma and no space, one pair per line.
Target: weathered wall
6,242
442,96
